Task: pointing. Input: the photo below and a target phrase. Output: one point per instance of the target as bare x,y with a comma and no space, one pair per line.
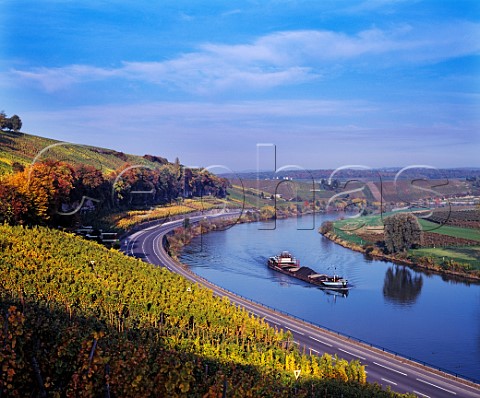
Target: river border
446,373
415,265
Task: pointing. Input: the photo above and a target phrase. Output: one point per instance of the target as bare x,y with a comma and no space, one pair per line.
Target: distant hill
21,149
386,174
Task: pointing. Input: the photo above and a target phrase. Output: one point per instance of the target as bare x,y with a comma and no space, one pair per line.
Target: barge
289,265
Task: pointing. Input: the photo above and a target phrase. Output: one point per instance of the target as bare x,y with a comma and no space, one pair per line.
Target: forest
55,193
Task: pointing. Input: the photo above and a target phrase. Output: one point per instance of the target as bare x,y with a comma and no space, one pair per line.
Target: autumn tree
326,227
402,231
13,204
89,182
133,185
35,195
13,123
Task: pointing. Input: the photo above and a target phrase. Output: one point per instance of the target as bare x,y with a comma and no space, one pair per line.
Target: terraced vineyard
124,221
23,149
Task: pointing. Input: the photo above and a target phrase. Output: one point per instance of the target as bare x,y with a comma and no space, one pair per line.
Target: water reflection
400,287
401,305
335,293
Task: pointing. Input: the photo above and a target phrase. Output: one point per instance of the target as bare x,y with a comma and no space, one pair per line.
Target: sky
379,83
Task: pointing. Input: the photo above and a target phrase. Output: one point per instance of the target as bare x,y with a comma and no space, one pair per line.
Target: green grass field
349,236
462,254
469,255
353,224
457,232
373,221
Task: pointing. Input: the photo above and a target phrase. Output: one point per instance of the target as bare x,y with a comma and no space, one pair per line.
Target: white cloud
278,59
313,133
53,79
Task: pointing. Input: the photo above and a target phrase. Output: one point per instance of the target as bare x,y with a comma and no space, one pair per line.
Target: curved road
384,368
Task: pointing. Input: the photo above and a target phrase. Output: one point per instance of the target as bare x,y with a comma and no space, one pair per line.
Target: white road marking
143,249
434,385
314,350
386,367
270,321
130,248
419,393
351,353
389,381
320,341
156,245
295,331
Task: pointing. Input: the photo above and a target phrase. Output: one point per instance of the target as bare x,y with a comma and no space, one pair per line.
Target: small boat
334,282
287,264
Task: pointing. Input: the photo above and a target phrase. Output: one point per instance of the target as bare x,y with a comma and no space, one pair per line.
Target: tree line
56,193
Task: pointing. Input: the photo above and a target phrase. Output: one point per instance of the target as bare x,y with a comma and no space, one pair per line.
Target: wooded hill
51,183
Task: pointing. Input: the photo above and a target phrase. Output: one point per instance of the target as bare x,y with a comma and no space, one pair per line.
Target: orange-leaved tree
35,194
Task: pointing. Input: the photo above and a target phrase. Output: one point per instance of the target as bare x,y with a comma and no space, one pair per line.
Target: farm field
465,254
123,221
287,189
442,243
302,189
375,223
456,232
406,191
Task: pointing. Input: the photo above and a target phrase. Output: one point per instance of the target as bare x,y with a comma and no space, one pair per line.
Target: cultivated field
448,239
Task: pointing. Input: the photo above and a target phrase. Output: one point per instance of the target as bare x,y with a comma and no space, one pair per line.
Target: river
417,315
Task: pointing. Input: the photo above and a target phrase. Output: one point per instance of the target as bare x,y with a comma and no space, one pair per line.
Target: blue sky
330,83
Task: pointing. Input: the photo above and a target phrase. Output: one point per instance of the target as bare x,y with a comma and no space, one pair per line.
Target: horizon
377,82
285,169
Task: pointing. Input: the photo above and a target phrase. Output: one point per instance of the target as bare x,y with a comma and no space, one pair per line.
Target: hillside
22,149
80,320
46,182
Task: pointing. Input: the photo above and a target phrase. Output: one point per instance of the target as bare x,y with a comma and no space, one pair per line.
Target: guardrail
344,335
347,336
353,338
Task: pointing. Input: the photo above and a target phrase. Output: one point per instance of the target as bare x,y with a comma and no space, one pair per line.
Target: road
384,368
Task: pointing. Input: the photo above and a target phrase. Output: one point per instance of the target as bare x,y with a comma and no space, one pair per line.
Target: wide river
417,315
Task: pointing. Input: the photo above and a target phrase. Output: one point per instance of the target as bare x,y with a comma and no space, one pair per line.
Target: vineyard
452,231
23,148
411,190
469,218
79,320
124,221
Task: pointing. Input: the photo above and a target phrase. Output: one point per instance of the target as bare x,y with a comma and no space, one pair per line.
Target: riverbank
182,236
425,264
403,301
